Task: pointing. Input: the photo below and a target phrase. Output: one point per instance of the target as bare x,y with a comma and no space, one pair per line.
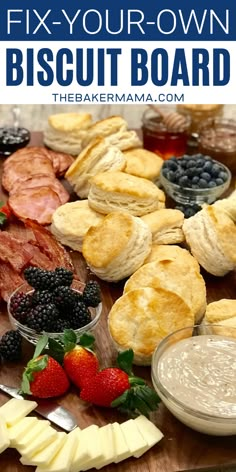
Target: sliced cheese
84,452
4,438
108,447
63,459
91,435
122,450
36,429
14,410
44,457
18,430
41,441
135,441
148,430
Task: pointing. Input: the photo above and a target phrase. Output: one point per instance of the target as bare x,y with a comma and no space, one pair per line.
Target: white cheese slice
63,459
148,430
4,438
135,441
18,430
14,410
31,434
44,457
122,450
108,446
41,441
84,453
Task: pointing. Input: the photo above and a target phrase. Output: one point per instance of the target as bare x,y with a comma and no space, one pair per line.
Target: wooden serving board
181,449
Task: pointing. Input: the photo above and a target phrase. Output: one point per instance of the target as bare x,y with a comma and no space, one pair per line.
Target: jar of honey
165,132
217,138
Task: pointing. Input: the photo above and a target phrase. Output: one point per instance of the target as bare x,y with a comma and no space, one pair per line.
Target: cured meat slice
19,171
36,204
65,160
10,280
27,153
14,251
49,245
41,180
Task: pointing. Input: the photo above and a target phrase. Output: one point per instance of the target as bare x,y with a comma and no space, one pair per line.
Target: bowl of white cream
194,373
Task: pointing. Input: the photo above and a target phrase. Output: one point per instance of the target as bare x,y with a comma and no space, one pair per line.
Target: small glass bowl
192,196
194,415
32,336
12,139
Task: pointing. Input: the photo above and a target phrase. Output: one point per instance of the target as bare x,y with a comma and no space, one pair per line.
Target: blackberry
80,316
11,346
64,276
64,297
42,297
59,325
20,306
42,318
40,279
92,294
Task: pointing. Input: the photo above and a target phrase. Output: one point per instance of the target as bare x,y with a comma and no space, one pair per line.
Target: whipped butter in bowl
195,376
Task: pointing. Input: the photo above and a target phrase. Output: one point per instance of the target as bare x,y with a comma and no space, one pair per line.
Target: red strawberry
105,387
79,361
44,378
6,210
80,365
117,387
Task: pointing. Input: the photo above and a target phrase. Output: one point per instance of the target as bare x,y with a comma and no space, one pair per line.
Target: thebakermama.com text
167,97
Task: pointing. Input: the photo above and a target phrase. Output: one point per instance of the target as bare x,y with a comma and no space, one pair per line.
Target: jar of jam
199,113
165,132
217,138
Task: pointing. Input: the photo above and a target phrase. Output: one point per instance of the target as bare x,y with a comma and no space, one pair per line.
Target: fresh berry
65,297
11,346
42,318
42,297
80,316
40,279
64,276
44,377
105,387
60,325
92,294
5,209
20,306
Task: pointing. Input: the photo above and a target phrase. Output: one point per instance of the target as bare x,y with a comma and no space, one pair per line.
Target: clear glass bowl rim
200,191
31,332
168,396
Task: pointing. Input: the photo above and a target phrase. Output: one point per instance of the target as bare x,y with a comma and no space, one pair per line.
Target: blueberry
195,179
191,163
165,165
219,181
195,186
200,163
171,176
165,172
206,176
189,211
183,181
207,166
223,175
216,169
172,165
198,156
202,183
208,158
211,184
180,208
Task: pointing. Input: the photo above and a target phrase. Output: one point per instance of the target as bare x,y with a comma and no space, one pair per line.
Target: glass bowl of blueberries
51,301
194,179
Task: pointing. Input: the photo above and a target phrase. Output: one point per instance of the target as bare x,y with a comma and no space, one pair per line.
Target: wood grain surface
181,449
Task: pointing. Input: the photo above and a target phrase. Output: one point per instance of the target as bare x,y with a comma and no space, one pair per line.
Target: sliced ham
65,160
14,251
41,180
49,246
10,280
38,204
20,171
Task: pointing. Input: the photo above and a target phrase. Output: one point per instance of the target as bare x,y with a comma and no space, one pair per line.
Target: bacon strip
14,251
49,245
10,280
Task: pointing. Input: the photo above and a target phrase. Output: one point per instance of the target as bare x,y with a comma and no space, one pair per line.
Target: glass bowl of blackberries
51,301
194,179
